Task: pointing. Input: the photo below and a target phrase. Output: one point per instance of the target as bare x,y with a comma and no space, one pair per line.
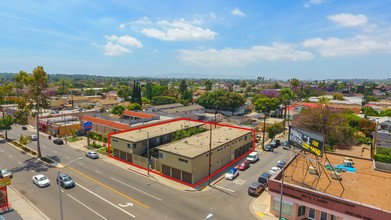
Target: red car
244,165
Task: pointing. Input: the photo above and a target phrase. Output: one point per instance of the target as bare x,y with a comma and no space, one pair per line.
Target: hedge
382,158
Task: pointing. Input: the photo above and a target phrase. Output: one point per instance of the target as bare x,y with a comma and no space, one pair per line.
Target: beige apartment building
187,160
135,142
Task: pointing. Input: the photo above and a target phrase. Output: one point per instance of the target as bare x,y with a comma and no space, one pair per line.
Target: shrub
382,158
47,160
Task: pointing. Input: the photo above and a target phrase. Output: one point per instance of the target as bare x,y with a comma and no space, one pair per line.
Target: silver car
6,173
92,155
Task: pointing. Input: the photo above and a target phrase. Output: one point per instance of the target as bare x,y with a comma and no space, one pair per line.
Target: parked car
33,137
274,170
244,165
6,173
253,156
269,147
24,128
65,181
256,188
264,178
41,180
92,155
275,143
281,163
232,173
286,145
58,141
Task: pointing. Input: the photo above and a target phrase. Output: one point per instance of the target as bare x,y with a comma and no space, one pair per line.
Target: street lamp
59,187
148,152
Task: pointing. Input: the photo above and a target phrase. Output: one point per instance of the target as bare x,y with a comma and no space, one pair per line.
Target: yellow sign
5,182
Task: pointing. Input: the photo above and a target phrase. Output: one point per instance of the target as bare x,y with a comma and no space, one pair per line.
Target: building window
301,211
323,216
161,155
131,145
333,217
183,160
245,138
286,206
311,213
115,140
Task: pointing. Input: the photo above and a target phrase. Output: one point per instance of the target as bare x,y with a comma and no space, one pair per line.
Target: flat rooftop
198,144
366,185
156,130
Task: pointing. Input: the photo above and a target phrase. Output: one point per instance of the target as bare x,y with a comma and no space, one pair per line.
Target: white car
41,180
232,173
92,155
33,137
274,170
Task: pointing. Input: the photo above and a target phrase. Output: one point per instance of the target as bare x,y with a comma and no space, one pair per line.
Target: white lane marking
20,163
81,164
106,200
126,205
54,151
67,157
136,189
97,171
223,188
10,156
87,207
239,181
2,151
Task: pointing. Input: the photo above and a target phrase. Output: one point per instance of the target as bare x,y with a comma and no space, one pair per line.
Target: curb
39,212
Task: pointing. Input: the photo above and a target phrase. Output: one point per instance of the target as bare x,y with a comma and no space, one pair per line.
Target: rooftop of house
168,106
156,130
366,185
183,109
196,145
105,122
138,114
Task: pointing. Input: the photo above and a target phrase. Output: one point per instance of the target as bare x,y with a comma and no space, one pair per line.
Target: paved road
105,191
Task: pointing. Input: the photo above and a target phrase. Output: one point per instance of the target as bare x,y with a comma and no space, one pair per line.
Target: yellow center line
108,187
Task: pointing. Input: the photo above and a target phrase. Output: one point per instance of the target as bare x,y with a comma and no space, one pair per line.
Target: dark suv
275,143
58,141
264,178
255,189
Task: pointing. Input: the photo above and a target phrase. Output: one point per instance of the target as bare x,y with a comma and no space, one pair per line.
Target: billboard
310,141
87,125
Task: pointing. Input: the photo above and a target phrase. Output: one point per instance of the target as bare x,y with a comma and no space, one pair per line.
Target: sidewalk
24,208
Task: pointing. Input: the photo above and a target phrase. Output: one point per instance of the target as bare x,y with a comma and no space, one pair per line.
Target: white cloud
115,49
349,20
119,45
238,12
314,2
125,40
242,57
178,30
358,45
212,15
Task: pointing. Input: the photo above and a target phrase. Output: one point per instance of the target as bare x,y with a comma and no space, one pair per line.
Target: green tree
187,95
148,90
323,100
136,95
386,112
124,92
366,127
182,86
64,85
5,124
338,96
368,111
243,84
158,90
221,99
21,79
274,130
134,106
163,100
265,104
208,85
286,97
145,100
118,110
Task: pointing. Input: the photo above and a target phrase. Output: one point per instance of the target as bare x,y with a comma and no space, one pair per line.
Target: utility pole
65,120
264,130
210,152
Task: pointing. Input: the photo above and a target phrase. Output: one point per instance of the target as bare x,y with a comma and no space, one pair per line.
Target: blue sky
277,39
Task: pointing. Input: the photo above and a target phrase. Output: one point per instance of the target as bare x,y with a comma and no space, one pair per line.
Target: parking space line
54,151
136,189
1,151
81,164
9,156
223,188
97,171
106,200
67,157
20,163
87,207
